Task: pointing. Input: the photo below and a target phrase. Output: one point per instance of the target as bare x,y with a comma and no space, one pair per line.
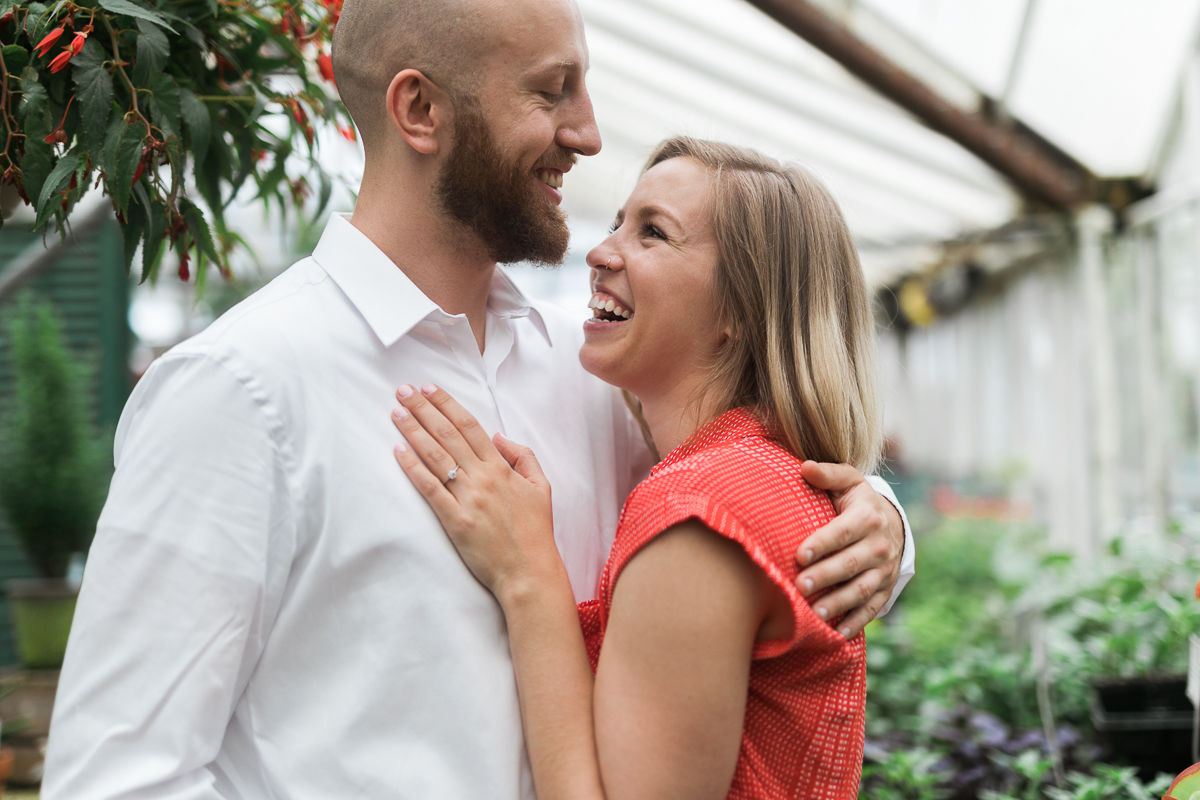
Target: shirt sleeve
908,561
176,594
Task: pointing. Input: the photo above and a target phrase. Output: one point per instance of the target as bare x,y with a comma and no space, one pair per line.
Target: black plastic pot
1145,722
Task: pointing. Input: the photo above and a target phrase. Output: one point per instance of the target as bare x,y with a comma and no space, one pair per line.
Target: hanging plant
161,103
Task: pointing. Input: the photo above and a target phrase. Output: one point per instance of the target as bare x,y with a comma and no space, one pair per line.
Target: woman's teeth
601,308
550,177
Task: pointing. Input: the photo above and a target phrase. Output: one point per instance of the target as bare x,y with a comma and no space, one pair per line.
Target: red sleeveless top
805,715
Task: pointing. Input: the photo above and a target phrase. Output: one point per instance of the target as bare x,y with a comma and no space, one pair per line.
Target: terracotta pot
6,765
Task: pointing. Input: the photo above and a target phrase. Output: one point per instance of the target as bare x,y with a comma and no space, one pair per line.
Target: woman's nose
604,257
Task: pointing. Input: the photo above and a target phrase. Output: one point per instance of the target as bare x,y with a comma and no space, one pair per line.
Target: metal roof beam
1033,167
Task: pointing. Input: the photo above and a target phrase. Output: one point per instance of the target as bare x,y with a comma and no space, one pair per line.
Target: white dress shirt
270,611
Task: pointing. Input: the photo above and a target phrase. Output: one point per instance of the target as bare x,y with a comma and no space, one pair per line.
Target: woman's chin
595,361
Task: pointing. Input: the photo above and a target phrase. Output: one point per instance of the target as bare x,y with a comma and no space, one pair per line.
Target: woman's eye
613,228
650,230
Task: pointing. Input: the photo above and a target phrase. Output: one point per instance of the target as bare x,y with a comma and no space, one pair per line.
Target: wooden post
1094,223
1150,376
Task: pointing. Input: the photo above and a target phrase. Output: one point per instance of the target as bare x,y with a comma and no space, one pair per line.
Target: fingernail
808,585
428,388
822,612
400,413
808,557
846,632
405,391
400,448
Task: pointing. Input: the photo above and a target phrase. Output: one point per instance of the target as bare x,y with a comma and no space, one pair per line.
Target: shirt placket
498,344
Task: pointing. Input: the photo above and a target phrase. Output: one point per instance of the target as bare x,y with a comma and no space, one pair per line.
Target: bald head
376,39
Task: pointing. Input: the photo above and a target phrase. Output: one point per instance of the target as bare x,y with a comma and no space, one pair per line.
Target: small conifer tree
53,474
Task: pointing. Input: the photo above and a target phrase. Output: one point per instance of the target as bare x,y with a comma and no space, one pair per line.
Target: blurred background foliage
952,709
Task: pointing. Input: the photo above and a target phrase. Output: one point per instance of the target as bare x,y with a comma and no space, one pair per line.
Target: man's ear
419,110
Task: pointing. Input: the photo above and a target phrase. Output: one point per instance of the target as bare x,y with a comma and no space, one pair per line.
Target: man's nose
580,132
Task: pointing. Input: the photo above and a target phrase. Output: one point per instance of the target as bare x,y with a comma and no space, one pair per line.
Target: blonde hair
790,286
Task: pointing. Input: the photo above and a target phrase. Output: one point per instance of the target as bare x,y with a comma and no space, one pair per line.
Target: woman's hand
496,507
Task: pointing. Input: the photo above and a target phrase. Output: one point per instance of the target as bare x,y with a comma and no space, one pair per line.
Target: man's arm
170,614
867,552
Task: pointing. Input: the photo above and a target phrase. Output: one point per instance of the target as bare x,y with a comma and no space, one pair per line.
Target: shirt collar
387,298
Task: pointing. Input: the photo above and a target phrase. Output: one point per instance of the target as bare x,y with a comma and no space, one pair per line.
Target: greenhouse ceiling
1097,79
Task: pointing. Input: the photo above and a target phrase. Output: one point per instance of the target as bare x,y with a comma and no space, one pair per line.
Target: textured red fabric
805,715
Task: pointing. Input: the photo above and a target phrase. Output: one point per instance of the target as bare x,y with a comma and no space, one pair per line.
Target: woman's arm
674,671
670,691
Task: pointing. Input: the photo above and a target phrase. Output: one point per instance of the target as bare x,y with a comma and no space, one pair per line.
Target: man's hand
858,553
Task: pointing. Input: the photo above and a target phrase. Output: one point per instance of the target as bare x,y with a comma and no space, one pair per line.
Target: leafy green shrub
961,633
950,673
163,103
53,473
904,775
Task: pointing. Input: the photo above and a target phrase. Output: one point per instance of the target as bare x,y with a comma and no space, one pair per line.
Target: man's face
513,144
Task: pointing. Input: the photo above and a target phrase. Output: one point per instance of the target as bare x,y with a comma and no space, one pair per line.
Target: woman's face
657,268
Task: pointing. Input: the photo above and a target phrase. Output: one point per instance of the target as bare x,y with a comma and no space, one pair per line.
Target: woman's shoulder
751,471
745,486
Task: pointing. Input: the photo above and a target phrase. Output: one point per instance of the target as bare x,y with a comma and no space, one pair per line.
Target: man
270,610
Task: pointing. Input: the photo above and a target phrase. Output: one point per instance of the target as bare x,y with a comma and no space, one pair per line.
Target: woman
730,301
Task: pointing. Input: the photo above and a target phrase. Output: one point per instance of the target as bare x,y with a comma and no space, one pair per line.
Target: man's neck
449,266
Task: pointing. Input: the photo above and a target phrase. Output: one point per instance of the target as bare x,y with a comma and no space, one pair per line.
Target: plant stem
229,98
4,109
117,62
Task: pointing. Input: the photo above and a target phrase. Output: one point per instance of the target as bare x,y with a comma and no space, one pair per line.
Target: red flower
184,272
60,61
7,18
45,44
348,133
325,65
137,174
77,42
57,136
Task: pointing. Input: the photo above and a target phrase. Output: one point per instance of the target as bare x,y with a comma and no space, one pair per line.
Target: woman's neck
675,415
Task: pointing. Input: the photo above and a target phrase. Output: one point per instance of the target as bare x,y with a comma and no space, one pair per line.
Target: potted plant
52,480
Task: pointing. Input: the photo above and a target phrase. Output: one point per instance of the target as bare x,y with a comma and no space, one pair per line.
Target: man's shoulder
273,338
277,312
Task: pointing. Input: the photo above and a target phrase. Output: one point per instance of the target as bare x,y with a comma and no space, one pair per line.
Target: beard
496,199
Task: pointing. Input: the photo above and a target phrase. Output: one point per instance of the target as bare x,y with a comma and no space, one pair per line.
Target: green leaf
133,229
94,88
164,103
128,154
48,200
112,139
7,6
198,226
35,166
325,193
16,58
131,9
156,231
153,50
37,22
195,115
35,103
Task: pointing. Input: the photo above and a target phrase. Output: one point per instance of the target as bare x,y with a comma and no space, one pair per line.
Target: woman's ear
418,109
